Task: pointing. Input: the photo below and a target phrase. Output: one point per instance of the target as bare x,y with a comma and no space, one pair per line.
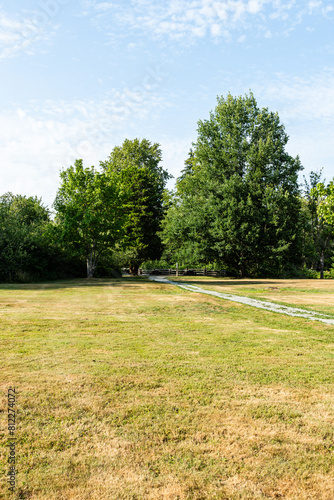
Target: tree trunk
322,262
134,269
89,266
92,259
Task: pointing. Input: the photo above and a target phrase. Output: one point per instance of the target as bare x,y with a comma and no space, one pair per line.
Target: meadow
131,389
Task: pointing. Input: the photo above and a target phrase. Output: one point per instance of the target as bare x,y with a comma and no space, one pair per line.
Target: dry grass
314,295
130,389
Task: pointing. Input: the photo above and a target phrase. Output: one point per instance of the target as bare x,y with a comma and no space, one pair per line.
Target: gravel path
260,304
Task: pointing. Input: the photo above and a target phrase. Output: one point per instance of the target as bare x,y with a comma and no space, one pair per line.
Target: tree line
237,205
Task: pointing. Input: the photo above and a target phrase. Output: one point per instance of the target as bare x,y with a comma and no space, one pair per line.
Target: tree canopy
237,206
237,201
326,203
88,211
137,166
23,247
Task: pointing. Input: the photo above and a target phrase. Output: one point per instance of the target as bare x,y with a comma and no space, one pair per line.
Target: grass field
130,389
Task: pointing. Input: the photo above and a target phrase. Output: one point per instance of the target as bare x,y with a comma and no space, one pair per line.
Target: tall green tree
326,202
317,232
323,208
88,206
237,201
137,166
23,245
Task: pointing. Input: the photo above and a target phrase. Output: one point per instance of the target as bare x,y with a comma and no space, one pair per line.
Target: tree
23,246
137,165
88,211
317,233
238,198
323,197
326,203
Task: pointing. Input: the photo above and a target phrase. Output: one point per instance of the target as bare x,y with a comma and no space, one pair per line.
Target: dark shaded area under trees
237,206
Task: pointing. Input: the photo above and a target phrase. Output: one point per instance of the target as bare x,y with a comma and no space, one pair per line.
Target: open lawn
130,389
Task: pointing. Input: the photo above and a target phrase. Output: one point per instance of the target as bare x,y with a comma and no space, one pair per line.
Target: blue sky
80,76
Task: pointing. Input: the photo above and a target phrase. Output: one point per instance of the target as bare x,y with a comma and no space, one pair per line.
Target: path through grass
251,301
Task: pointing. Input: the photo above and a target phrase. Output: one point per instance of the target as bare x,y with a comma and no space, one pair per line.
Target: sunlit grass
312,295
130,389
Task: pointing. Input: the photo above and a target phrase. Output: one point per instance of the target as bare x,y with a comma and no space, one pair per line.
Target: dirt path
260,304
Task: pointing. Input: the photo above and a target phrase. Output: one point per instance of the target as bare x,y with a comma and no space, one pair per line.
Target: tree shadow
76,283
224,282
127,281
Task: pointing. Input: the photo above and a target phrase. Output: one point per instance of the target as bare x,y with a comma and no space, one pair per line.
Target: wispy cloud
307,98
306,107
40,139
182,20
315,6
17,36
22,33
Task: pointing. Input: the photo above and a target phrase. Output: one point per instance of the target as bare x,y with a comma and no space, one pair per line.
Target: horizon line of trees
237,206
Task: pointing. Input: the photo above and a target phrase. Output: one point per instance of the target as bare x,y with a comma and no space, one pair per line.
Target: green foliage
326,204
30,244
317,232
109,266
137,167
237,206
237,201
157,264
88,212
23,246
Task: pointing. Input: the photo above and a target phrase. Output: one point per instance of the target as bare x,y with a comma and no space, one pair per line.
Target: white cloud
39,140
306,98
183,19
319,7
281,10
216,30
329,8
306,107
21,35
191,20
105,6
254,6
314,4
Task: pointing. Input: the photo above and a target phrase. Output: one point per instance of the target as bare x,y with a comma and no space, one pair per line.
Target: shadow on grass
126,281
75,283
222,282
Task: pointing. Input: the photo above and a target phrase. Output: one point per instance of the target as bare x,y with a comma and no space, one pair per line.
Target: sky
78,77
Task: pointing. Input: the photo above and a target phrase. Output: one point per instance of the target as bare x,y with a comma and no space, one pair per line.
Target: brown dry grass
138,390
